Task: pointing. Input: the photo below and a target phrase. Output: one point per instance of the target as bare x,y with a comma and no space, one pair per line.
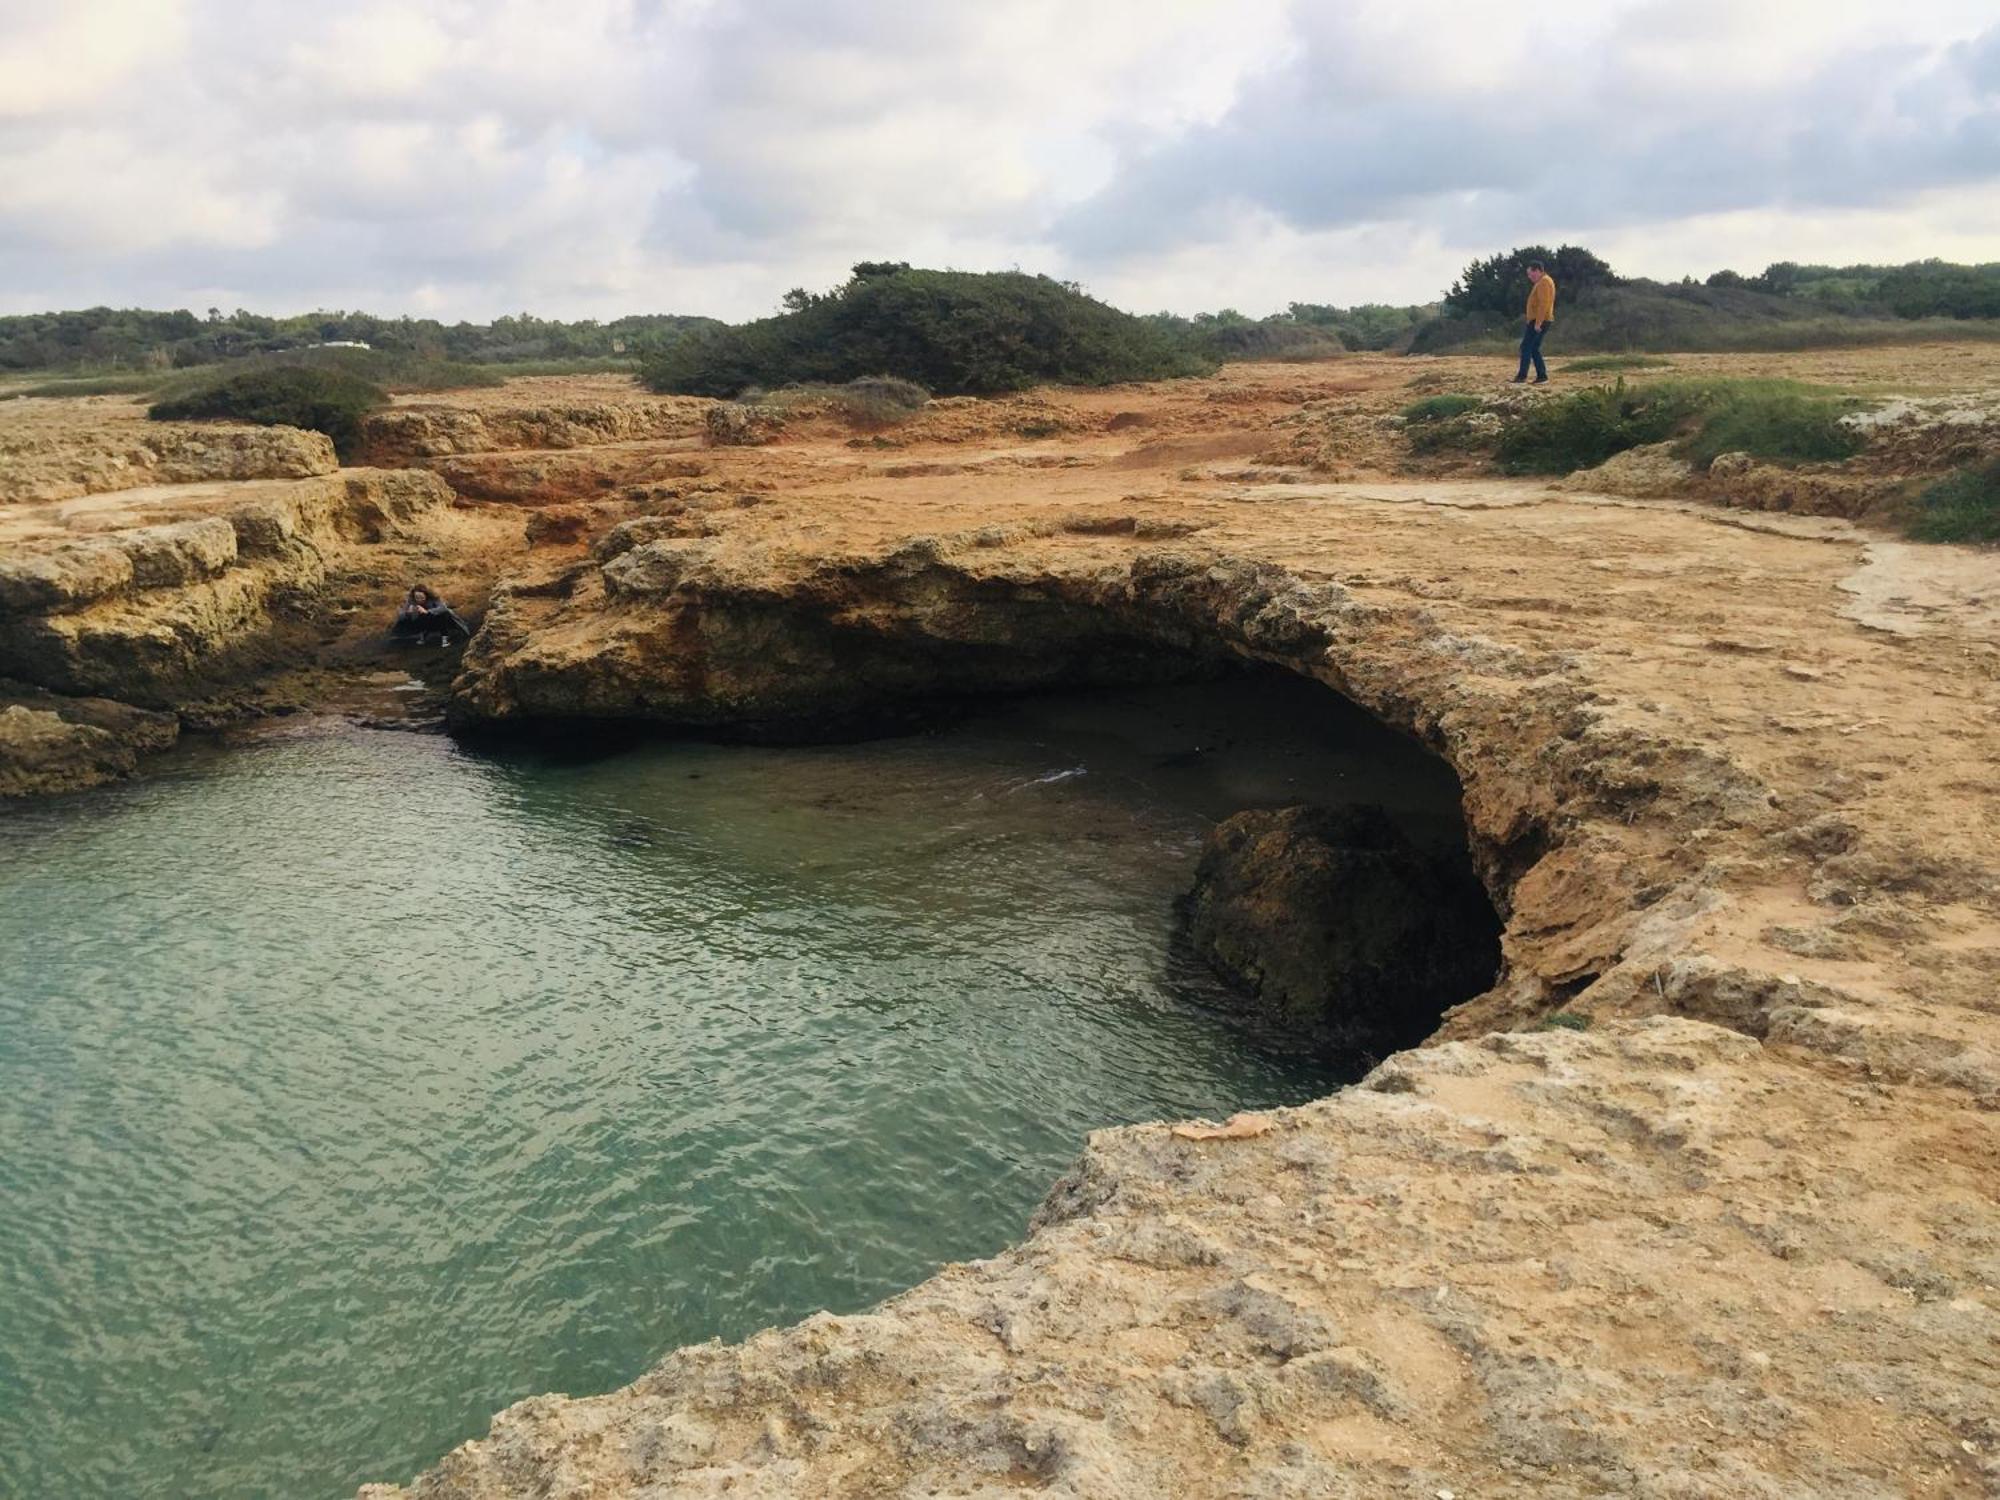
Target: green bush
1961,507
1659,317
1584,428
328,401
1438,408
1782,421
392,369
1779,425
953,332
1275,339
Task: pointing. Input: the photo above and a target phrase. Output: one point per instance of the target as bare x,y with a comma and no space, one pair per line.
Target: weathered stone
135,454
64,577
736,426
180,552
42,753
1333,925
1649,471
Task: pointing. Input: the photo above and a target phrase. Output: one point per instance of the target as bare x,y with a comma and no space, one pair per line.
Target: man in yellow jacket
1541,313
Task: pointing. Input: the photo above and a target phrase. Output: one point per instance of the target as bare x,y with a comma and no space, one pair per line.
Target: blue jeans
1531,349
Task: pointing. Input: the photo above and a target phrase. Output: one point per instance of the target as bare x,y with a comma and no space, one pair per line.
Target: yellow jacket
1542,300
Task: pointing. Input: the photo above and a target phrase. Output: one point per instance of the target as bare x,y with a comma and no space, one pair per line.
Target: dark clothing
1531,349
438,619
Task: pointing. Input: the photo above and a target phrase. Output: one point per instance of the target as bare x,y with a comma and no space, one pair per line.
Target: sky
589,158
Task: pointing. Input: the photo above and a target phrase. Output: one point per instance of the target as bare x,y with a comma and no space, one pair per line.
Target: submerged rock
1335,926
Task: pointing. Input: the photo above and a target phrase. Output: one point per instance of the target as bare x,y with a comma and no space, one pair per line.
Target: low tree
1498,285
952,332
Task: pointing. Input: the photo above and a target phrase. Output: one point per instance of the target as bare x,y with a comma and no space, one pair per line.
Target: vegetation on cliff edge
1780,421
1961,507
328,401
952,332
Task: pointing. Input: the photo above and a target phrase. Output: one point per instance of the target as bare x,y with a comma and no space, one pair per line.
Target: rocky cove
1726,777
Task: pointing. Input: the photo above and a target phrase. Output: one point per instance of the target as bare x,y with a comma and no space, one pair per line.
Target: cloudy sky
464,158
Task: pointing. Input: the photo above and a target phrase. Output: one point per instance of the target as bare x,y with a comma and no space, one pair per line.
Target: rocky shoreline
1696,1198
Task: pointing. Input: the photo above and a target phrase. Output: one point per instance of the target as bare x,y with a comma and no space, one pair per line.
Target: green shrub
1961,507
1438,408
1582,429
953,332
391,369
1781,426
1275,339
1656,317
1781,421
1617,362
328,401
612,364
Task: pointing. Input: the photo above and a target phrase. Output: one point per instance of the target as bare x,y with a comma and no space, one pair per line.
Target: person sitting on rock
425,614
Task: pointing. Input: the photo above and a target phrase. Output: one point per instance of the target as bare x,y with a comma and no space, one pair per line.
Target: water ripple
353,1086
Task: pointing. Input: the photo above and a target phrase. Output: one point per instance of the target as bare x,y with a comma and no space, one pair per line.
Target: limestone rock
734,426
60,464
405,434
1336,927
50,743
557,525
62,577
143,613
40,753
1650,471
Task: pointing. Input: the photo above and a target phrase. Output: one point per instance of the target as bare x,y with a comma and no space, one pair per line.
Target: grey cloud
602,154
1863,130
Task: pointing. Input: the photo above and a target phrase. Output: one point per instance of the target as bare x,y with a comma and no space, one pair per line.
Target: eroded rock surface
48,452
1738,1236
107,596
1335,926
1729,779
427,430
1656,1260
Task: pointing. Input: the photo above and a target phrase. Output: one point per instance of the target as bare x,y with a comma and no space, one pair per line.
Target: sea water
354,1084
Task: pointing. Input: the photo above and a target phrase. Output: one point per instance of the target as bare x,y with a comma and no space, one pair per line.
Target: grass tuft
1961,507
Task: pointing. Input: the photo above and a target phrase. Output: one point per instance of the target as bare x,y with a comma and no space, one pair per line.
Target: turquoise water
353,1085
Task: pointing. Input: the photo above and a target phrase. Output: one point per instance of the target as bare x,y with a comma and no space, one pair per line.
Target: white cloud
71,53
469,157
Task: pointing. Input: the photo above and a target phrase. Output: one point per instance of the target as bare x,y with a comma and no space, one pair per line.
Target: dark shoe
1539,380
1518,380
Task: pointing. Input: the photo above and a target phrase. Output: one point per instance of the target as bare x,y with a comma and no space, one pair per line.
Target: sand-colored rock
1737,1237
59,450
1658,1260
50,743
104,596
434,429
1648,472
1729,778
